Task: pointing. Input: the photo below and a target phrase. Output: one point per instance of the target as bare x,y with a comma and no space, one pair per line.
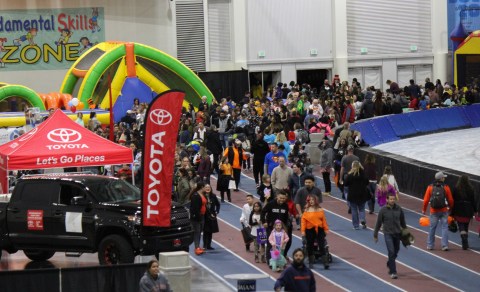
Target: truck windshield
114,191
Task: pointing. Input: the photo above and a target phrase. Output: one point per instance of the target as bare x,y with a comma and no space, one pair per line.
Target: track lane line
213,273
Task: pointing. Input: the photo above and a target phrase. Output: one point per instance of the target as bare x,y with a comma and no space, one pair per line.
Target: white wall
286,30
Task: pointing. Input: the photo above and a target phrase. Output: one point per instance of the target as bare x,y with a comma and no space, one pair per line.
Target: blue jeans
435,218
358,213
393,246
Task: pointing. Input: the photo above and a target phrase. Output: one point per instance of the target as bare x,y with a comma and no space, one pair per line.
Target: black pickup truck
81,213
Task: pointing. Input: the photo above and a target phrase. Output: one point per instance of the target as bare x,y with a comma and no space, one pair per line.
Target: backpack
303,137
438,199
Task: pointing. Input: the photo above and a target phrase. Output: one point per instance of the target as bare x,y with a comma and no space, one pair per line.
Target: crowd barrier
412,176
118,278
390,128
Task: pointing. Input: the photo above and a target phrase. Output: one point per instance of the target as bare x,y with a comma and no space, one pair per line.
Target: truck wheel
114,250
38,255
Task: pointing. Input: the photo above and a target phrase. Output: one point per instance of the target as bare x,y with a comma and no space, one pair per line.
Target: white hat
439,175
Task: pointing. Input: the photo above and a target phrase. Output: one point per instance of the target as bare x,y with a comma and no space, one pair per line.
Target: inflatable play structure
131,70
467,59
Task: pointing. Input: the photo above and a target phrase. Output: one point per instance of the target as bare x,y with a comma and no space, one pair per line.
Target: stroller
318,255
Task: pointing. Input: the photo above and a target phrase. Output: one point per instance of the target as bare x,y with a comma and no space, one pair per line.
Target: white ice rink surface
458,150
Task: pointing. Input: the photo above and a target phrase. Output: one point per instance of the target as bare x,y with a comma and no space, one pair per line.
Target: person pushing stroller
314,228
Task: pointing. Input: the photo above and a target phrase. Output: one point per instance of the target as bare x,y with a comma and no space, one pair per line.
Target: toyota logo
63,135
28,135
160,117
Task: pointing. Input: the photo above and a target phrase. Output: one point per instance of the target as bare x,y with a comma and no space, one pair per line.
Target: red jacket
351,117
291,208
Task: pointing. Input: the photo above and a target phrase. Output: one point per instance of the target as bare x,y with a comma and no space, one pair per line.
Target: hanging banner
48,39
161,130
464,12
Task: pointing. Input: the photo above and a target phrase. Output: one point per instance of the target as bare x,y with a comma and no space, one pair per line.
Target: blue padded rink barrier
452,141
389,128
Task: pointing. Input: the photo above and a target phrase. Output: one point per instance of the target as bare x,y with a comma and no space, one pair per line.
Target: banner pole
110,108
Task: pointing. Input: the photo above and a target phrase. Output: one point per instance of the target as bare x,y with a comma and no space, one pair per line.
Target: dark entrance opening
313,77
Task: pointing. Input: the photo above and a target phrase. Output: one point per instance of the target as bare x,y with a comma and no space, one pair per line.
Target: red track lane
232,239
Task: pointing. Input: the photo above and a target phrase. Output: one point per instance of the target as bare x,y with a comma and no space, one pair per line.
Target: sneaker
236,190
429,247
393,276
210,248
356,228
364,225
199,251
445,248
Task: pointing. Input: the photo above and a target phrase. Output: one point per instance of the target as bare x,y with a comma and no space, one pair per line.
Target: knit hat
278,221
122,139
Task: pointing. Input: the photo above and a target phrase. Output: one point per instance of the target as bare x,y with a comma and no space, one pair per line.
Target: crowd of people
266,135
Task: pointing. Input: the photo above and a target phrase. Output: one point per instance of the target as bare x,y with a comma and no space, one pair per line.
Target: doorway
313,77
260,82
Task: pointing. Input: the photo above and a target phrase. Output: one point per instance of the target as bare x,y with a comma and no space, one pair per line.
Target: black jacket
195,206
213,142
273,211
464,203
357,188
259,149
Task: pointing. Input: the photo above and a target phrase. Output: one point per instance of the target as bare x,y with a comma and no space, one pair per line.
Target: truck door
29,214
75,224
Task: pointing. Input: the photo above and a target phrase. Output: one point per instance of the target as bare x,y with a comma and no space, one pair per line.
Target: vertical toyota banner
161,131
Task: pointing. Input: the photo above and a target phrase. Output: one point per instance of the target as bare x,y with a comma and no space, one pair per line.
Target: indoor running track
358,263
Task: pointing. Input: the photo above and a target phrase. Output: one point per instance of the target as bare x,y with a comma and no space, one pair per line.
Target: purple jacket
383,194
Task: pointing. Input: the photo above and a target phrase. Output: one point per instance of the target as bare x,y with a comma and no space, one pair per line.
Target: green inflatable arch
10,90
170,71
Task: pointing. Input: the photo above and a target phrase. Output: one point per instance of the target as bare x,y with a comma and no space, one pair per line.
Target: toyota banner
161,131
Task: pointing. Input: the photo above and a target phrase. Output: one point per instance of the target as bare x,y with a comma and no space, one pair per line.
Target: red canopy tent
59,142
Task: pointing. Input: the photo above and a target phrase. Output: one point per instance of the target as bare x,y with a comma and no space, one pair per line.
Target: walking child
265,191
256,223
384,189
224,178
278,239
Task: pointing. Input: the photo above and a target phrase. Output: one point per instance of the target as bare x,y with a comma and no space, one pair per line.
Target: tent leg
133,174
